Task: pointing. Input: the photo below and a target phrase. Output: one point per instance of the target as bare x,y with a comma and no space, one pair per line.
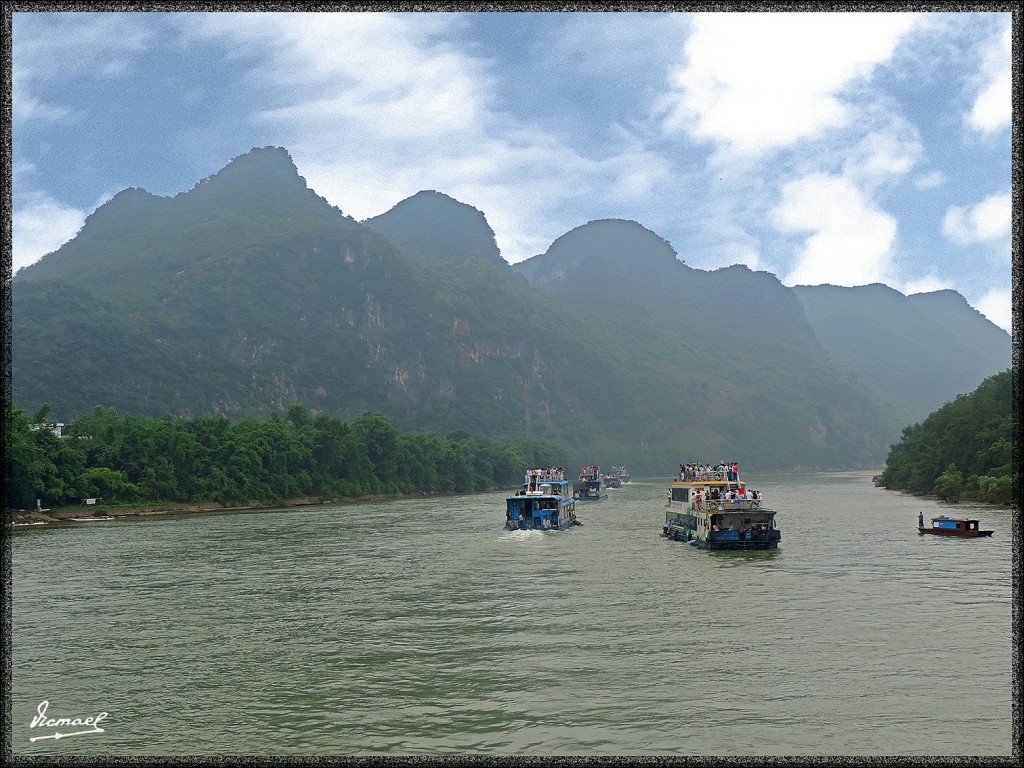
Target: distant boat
715,510
544,504
953,526
616,477
588,487
611,481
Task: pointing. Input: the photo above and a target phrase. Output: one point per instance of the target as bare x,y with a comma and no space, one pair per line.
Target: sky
842,148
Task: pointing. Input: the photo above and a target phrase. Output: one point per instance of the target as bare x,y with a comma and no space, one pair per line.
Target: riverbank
103,511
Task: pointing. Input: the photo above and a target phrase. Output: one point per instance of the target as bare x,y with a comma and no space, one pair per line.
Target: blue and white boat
544,504
711,508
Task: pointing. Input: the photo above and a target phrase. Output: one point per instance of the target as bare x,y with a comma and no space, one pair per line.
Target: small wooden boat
953,526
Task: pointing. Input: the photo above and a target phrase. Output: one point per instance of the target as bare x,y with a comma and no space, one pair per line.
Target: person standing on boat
920,519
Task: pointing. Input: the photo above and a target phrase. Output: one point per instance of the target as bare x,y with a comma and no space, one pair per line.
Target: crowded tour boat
951,526
616,477
545,503
711,508
588,486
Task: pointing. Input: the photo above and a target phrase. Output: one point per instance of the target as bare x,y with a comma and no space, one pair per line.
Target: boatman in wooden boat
920,519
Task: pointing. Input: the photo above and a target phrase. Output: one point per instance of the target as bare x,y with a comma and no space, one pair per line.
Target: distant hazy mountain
434,226
250,292
724,363
915,352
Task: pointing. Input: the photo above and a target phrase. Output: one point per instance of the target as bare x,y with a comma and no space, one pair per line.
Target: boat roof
555,493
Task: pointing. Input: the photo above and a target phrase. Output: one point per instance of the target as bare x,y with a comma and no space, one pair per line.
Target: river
421,627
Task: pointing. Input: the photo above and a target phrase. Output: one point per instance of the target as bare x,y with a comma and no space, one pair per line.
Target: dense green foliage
132,459
964,450
250,292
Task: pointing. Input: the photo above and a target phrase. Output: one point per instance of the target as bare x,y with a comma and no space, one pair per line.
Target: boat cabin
544,503
952,524
712,507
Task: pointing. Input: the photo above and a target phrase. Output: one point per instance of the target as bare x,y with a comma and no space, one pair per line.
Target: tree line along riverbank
962,451
212,462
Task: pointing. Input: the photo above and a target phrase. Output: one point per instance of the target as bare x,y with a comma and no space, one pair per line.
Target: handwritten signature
42,721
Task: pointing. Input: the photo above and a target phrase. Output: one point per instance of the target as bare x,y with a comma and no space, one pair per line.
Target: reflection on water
386,629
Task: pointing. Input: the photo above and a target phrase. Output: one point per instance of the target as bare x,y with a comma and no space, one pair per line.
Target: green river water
421,627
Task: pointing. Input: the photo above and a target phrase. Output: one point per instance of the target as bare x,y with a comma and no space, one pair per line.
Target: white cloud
743,250
27,107
989,220
376,107
850,239
41,226
997,306
388,73
888,148
930,180
991,109
925,284
52,49
757,81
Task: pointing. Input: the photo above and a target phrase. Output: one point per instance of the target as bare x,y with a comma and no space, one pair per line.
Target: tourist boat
616,477
715,510
952,526
588,486
544,504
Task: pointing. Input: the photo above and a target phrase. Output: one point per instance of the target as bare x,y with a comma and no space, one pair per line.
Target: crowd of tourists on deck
545,473
724,470
725,497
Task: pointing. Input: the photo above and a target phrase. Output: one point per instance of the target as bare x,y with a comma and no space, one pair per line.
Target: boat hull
746,545
681,533
954,532
562,526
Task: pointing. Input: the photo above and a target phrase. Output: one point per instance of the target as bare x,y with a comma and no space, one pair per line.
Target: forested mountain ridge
267,305
250,292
